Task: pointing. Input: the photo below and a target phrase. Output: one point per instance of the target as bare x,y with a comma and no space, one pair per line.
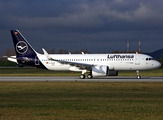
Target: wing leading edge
81,66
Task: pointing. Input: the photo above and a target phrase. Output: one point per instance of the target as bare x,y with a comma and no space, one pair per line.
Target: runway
76,79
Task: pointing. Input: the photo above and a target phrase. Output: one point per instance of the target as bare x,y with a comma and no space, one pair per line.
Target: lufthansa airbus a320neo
94,64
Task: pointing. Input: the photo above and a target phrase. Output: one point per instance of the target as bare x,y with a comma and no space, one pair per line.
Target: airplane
95,64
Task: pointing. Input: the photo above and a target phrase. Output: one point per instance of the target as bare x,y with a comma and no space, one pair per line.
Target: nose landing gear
138,74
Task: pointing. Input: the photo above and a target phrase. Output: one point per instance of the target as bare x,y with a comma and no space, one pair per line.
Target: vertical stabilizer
22,47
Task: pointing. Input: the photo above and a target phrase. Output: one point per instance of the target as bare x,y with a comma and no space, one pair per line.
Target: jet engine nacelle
103,70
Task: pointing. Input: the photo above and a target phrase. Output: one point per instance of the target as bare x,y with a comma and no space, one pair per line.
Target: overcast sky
96,25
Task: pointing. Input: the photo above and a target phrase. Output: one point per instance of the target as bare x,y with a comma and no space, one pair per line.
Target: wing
79,65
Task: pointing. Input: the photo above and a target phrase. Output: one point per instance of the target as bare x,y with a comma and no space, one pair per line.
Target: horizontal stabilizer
14,58
11,58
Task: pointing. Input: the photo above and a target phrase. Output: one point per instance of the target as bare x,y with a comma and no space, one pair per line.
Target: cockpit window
147,59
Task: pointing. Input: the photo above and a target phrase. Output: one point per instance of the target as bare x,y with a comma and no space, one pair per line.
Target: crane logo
21,47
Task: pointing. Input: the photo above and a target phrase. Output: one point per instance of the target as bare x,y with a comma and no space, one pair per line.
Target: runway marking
76,79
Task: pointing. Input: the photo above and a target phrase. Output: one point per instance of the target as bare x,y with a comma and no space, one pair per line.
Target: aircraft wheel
82,76
139,77
138,74
89,76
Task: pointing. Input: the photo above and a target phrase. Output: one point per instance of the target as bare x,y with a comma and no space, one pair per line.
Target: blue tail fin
22,47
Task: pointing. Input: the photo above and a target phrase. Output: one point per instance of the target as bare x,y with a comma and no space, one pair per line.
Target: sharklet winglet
47,55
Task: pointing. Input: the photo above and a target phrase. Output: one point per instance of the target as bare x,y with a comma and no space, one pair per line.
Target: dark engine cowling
113,73
103,70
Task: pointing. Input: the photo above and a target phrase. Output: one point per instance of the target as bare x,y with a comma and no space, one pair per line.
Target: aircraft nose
157,64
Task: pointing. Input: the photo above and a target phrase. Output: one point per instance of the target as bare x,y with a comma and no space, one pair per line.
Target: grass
155,72
43,72
7,63
81,100
34,72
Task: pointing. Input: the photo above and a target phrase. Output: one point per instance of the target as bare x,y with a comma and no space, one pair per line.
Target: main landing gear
89,76
82,76
138,74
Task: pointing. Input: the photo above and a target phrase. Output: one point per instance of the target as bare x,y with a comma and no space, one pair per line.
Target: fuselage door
137,59
37,62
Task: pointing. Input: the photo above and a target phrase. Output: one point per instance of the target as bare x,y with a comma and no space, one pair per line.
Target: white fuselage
116,62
